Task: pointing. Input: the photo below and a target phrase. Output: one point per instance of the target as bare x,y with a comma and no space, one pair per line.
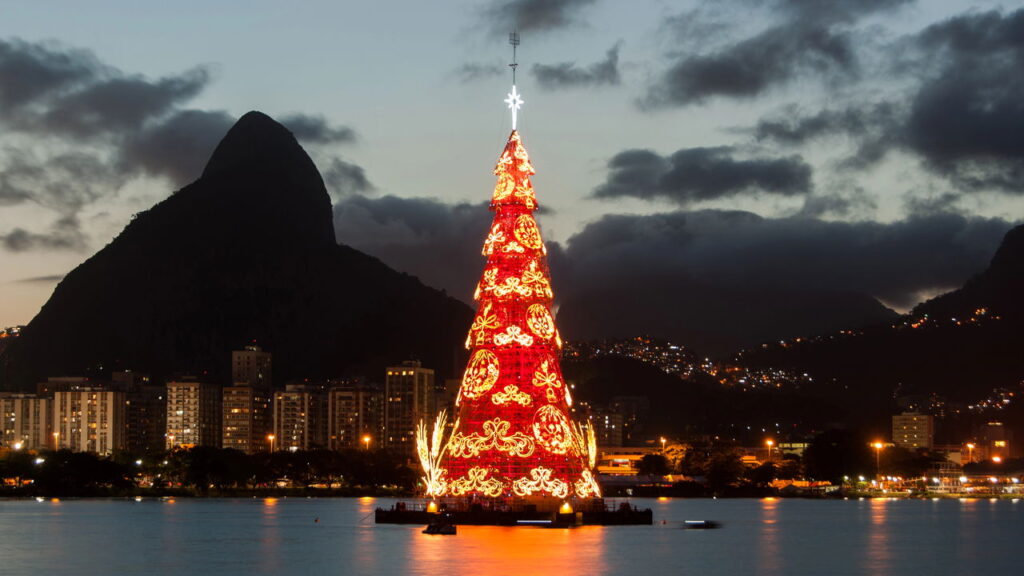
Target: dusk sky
875,146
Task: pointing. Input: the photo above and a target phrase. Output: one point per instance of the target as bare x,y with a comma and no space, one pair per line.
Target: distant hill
960,345
245,253
681,407
709,318
999,288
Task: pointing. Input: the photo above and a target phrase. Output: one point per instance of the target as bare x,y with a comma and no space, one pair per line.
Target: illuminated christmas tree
513,435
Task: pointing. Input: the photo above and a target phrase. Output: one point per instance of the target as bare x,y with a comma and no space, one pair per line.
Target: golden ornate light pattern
482,373
552,430
495,437
540,480
548,379
476,480
512,393
540,322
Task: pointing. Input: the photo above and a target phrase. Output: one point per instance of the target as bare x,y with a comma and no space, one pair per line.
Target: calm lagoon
338,536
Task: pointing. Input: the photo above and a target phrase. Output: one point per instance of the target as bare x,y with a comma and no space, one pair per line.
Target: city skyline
644,150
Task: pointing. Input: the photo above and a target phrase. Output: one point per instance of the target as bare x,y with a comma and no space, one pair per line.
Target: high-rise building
996,441
246,421
147,417
128,380
193,414
912,430
26,421
609,427
90,419
251,366
300,417
409,397
634,411
61,384
355,417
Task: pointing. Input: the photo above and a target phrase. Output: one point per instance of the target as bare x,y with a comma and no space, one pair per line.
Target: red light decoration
513,435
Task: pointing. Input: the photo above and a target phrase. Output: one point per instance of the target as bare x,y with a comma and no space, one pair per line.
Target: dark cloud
91,127
176,148
749,68
30,71
53,279
845,204
63,182
964,115
346,179
695,174
868,126
569,75
112,105
505,16
314,129
49,90
967,120
438,242
813,39
471,71
792,127
65,234
890,261
717,278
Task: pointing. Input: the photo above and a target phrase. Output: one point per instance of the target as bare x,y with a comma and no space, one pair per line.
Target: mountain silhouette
245,253
998,288
711,318
960,345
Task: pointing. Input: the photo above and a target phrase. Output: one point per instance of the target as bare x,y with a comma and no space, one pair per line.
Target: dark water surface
268,536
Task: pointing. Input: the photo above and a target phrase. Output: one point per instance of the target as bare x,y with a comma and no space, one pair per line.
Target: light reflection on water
338,537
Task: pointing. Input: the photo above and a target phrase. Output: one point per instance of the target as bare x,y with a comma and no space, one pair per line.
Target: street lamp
662,444
878,456
769,443
366,442
970,452
271,438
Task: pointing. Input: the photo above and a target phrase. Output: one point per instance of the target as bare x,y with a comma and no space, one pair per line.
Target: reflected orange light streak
489,551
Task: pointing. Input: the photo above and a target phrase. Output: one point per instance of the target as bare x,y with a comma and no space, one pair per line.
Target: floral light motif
506,184
546,378
476,480
497,236
539,320
511,394
483,322
481,374
495,437
527,233
540,480
536,279
513,247
513,334
552,431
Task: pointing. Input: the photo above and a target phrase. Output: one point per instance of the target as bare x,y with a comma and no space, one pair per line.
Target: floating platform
481,515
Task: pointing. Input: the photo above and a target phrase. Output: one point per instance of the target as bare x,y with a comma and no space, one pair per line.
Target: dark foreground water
268,536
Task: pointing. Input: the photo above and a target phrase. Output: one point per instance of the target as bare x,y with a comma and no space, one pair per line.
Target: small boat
701,524
441,526
443,529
